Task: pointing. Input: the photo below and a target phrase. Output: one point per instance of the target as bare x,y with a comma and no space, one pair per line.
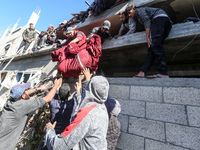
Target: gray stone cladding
158,114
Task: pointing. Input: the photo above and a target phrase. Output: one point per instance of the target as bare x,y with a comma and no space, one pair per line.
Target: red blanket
89,54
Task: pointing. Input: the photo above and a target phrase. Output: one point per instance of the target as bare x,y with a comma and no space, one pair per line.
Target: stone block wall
158,114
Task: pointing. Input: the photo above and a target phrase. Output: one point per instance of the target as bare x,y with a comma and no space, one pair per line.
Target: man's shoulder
79,32
55,98
37,101
95,29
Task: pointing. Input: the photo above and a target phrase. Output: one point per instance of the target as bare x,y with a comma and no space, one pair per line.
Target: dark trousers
42,145
160,28
25,44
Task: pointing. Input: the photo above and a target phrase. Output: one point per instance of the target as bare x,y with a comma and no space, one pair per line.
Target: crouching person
16,110
88,129
45,38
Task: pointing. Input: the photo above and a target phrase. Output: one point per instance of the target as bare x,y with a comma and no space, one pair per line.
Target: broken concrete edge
113,11
180,30
162,82
41,52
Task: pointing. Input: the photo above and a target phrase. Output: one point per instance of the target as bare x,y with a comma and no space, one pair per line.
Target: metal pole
87,3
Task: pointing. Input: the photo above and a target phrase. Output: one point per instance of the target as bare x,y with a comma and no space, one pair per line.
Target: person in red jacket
77,54
73,36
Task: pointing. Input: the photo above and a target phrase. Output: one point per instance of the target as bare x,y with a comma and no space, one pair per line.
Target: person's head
131,11
51,28
105,26
20,92
123,16
69,32
31,25
99,87
64,91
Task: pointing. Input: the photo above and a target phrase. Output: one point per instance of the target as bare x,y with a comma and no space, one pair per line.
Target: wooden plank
60,35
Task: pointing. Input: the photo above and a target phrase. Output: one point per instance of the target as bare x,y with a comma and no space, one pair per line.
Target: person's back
114,126
60,112
92,129
148,12
15,114
13,119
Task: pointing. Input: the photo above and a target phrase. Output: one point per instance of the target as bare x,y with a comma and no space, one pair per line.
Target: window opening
18,77
16,31
26,77
2,76
32,76
7,48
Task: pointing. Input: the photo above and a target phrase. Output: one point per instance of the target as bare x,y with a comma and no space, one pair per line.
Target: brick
123,119
154,145
119,91
130,142
147,128
166,113
184,96
133,108
194,116
187,137
153,94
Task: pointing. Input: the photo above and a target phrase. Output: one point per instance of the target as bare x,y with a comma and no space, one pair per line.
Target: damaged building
156,113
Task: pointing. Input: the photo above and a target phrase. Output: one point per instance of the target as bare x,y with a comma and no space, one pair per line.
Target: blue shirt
60,112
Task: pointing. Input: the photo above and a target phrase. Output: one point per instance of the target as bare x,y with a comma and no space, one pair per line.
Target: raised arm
51,94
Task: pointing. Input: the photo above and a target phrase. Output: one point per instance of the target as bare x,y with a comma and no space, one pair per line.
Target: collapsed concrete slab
182,30
124,56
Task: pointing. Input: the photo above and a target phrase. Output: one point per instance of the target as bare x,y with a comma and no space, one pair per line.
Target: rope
195,35
184,47
194,8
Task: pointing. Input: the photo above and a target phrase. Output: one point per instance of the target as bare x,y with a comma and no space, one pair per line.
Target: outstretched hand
87,74
77,86
42,88
58,82
49,125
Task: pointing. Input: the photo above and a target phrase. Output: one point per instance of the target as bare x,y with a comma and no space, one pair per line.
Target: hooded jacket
89,128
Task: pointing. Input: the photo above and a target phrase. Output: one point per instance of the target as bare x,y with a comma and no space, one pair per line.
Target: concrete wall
158,114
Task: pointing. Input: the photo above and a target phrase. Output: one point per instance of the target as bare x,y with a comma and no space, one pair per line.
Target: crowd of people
154,21
87,119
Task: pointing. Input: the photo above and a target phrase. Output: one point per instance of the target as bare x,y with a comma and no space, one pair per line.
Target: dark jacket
146,14
104,36
60,112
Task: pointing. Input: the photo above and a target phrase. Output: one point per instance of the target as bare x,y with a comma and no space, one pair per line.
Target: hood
96,91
